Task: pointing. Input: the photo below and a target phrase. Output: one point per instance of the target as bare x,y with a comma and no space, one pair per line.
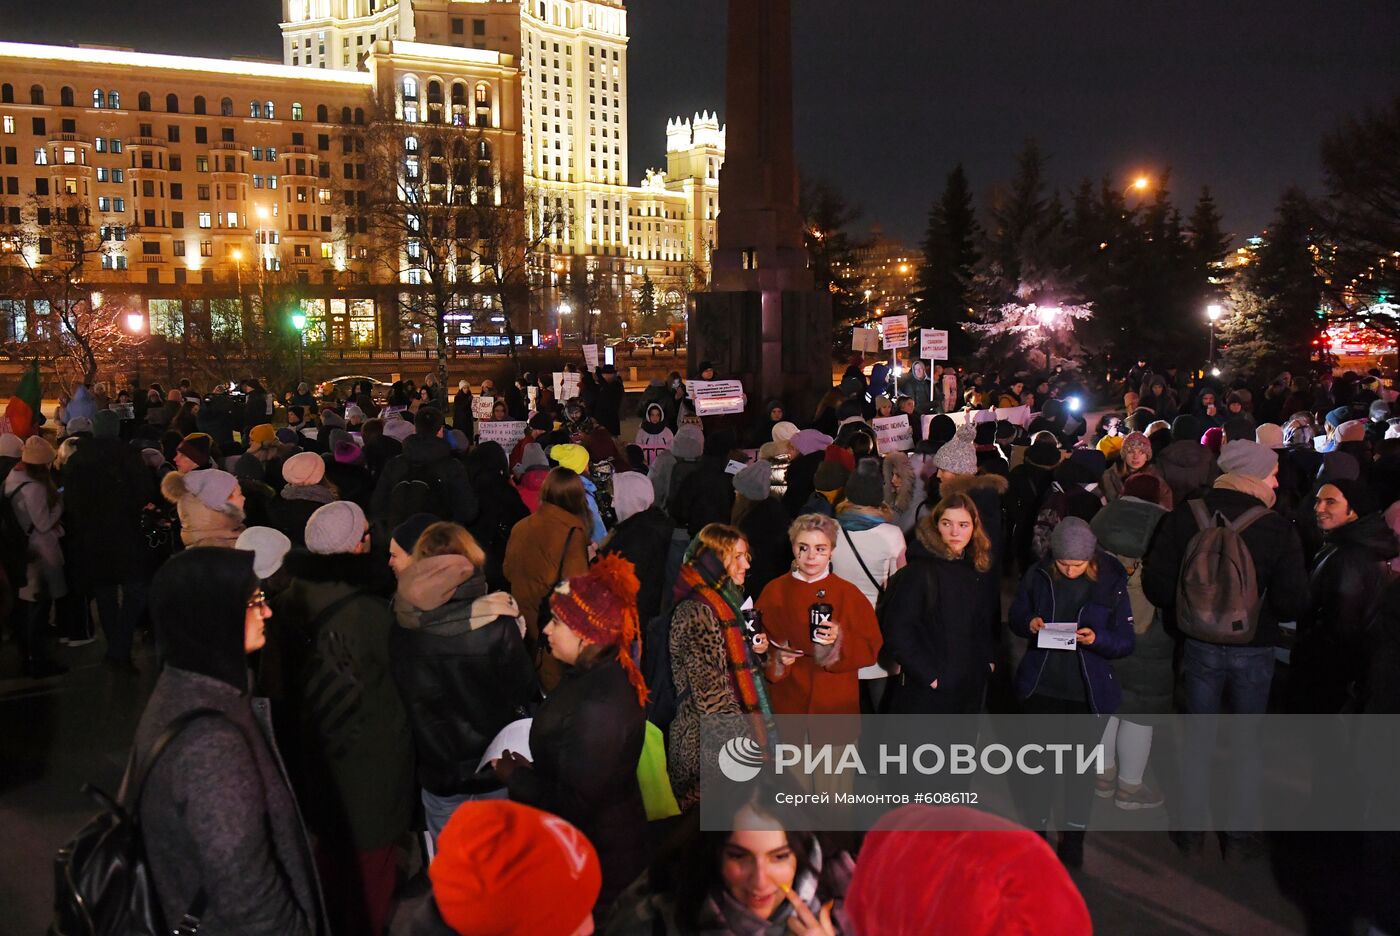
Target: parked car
664,339
338,388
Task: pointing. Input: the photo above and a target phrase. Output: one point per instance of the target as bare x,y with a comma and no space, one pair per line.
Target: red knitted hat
601,607
976,874
506,869
842,456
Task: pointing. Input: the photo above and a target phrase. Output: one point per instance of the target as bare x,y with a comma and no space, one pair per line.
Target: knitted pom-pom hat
601,607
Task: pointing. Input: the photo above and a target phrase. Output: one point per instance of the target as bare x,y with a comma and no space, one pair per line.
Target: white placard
865,340
590,357
513,737
1057,635
933,344
734,467
505,432
893,434
896,334
566,386
481,407
717,397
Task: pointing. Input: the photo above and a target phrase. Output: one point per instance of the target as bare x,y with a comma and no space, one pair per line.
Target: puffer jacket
1107,610
340,718
428,457
1188,468
201,525
1330,656
458,658
986,491
43,522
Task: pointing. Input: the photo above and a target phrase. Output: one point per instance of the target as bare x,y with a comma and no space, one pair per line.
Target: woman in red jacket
822,627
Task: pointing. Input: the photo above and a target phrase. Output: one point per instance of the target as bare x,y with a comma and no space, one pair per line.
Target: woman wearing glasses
821,628
221,826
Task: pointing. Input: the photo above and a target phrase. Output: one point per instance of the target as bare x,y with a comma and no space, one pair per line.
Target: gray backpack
1217,595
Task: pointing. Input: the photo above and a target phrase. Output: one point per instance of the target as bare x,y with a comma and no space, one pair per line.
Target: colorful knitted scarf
703,579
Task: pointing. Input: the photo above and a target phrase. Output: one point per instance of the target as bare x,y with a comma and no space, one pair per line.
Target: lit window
114,100
206,220
41,156
410,113
410,86
9,124
70,155
255,109
232,219
269,110
98,98
296,111
327,251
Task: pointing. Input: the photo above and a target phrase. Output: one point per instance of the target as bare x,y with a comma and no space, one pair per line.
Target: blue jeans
1216,680
438,809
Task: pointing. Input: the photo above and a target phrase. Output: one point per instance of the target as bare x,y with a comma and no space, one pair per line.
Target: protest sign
505,432
865,340
566,386
481,407
717,397
1017,415
896,332
893,434
933,344
590,357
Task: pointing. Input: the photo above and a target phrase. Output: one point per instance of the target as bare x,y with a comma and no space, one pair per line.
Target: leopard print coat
700,669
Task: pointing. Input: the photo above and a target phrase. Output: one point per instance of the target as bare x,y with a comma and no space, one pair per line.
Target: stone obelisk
762,322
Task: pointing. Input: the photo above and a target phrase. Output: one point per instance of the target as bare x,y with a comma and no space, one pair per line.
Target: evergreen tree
827,217
1274,309
646,306
950,256
1206,236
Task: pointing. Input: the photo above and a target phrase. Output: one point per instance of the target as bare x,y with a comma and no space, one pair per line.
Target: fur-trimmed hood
967,484
360,570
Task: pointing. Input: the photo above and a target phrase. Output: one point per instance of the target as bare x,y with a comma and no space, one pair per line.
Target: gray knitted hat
1072,540
959,455
754,480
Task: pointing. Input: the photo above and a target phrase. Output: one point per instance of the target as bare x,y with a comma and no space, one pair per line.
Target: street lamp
299,323
1048,315
135,322
1213,312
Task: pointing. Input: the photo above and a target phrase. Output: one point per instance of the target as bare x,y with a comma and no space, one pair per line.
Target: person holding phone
1078,582
821,628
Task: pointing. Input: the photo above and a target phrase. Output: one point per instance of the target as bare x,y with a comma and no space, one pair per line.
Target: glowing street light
135,322
1213,312
1141,184
1048,315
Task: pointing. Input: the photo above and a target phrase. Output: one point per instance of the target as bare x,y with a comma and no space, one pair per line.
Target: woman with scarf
717,670
1134,458
459,660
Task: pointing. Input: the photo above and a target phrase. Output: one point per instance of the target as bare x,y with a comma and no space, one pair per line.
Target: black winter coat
765,526
1028,484
463,673
1272,542
705,496
379,452
351,482
1330,656
105,487
585,742
940,620
801,477
501,509
607,407
644,539
429,457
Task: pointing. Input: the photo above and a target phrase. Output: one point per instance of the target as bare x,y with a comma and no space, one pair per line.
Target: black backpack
102,881
14,544
439,502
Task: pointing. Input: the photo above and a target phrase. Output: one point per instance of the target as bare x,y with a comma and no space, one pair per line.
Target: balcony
70,138
227,145
300,151
146,141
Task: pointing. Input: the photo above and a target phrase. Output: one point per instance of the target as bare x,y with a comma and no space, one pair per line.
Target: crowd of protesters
370,596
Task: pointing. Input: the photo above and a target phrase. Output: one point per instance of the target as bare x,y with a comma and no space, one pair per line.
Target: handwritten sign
933,344
896,332
590,357
893,434
865,340
566,386
481,407
717,397
506,432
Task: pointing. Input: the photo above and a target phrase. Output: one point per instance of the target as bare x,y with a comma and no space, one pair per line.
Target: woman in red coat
821,626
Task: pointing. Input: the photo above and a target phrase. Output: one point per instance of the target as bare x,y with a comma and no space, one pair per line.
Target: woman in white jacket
869,550
34,497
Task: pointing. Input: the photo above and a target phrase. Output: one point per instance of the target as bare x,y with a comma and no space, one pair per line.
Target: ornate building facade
203,181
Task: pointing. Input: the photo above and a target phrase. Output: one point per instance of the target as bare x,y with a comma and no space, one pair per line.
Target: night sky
891,93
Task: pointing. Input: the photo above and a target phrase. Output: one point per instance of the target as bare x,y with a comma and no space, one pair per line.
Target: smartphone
818,615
